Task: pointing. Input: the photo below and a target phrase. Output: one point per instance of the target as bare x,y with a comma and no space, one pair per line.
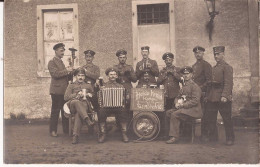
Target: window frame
41,72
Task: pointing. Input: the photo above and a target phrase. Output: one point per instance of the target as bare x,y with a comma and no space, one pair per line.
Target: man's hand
178,105
223,99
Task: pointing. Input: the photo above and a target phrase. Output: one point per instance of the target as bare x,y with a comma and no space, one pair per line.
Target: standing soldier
92,71
169,77
202,75
59,81
146,65
126,75
219,97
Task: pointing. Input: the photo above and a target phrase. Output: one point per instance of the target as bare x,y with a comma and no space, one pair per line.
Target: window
153,14
56,23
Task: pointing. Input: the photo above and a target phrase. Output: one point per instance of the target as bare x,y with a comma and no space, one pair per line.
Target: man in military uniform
187,104
126,74
146,65
92,71
78,104
170,77
202,75
219,97
121,113
59,82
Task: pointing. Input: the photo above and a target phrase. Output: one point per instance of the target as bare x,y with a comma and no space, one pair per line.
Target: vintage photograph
137,82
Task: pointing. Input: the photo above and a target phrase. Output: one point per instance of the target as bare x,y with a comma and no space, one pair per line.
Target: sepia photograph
131,82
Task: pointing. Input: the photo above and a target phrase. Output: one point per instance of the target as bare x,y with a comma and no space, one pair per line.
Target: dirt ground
28,142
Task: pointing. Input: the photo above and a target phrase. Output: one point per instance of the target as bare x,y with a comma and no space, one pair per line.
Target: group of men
199,91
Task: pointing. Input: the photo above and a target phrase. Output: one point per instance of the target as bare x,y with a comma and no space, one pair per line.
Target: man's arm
195,97
228,82
55,72
69,93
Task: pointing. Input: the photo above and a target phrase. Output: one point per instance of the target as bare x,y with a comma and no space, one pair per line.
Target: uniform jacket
222,82
92,73
140,70
191,106
170,78
126,75
59,76
74,88
202,74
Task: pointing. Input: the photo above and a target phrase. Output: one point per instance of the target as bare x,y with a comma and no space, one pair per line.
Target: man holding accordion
112,98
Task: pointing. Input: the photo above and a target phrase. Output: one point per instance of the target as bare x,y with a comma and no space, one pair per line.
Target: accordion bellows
111,97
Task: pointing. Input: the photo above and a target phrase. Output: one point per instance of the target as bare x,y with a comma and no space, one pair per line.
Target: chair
194,122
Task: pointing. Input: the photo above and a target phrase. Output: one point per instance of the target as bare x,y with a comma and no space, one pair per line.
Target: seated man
120,112
78,104
187,105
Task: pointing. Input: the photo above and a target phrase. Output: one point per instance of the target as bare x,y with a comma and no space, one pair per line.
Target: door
153,25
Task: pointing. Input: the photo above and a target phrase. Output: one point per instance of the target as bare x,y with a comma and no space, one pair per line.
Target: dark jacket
74,88
202,74
126,75
222,82
59,76
153,71
92,73
170,78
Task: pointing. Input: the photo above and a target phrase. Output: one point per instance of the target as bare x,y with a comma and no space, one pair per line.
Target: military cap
58,45
218,49
198,48
108,70
79,71
186,70
121,51
145,48
91,52
167,55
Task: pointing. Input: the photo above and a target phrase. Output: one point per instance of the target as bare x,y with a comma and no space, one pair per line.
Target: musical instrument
112,97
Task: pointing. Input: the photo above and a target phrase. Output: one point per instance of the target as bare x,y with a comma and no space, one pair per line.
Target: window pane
153,13
66,26
51,26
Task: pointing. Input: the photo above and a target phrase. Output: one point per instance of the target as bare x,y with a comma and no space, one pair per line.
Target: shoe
54,134
229,143
172,140
75,139
102,138
125,138
89,122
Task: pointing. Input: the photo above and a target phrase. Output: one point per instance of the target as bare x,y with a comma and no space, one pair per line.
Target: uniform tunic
170,78
141,69
92,73
191,107
78,106
202,74
221,86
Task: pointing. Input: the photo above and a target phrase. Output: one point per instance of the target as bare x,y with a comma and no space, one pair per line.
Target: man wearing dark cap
78,94
120,112
170,77
187,105
59,82
219,97
126,74
146,65
92,71
202,75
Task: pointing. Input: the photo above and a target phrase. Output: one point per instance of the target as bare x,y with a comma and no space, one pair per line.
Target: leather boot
124,135
102,136
75,139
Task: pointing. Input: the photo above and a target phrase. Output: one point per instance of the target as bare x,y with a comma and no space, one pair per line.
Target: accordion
111,97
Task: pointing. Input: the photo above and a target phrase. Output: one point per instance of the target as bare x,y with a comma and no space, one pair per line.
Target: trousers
56,108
